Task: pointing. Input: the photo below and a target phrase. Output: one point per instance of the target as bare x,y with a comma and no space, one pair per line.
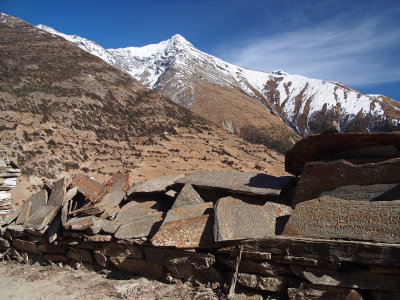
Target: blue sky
355,42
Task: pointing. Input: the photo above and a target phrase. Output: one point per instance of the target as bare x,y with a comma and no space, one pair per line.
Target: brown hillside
63,110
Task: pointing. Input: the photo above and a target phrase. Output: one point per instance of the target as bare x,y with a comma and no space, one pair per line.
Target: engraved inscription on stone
237,219
244,182
364,192
327,217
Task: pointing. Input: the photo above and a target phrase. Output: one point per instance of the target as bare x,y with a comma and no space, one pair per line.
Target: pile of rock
332,233
349,187
9,172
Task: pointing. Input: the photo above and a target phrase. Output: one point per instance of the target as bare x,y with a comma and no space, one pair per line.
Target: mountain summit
191,77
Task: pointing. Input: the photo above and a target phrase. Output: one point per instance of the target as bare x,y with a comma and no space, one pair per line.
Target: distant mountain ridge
64,111
178,69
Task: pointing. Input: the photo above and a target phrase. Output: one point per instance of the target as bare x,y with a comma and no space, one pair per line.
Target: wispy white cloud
355,52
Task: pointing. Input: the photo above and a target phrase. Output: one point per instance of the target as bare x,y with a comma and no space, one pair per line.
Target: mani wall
331,231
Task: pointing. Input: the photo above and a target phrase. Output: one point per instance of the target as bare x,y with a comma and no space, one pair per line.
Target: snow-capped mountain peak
176,67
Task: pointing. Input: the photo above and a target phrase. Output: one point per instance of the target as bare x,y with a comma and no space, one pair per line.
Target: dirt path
53,282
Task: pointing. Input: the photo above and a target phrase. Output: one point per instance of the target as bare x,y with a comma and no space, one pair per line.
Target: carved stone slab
240,182
187,196
90,188
190,233
140,227
58,193
238,219
129,212
119,182
31,204
189,211
155,185
342,146
330,218
41,217
318,177
375,192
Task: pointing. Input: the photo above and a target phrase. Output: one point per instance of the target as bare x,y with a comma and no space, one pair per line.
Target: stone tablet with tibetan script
318,177
373,192
239,182
155,185
237,219
331,218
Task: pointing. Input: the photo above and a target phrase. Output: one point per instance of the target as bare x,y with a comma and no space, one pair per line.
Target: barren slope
63,110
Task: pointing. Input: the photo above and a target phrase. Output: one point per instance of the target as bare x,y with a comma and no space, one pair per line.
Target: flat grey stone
58,193
41,217
237,219
239,182
129,212
189,211
80,223
32,204
189,233
187,196
90,188
140,227
155,185
332,218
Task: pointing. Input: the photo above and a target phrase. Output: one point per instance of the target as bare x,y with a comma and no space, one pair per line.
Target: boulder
239,182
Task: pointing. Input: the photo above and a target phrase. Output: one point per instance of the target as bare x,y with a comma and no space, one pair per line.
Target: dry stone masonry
9,172
331,233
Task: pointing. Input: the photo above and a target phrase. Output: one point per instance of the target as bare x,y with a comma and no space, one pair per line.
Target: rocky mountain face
63,111
197,80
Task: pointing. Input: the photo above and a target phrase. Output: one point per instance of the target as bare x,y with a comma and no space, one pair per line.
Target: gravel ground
54,282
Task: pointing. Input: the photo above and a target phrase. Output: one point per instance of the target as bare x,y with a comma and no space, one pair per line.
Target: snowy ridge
175,65
83,43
